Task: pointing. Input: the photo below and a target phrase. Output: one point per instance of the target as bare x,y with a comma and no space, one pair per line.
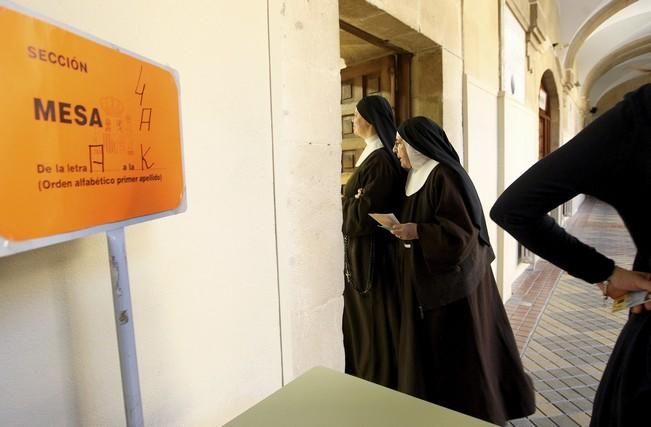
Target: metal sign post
124,327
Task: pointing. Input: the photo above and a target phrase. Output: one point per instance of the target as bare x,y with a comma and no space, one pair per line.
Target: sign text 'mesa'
66,113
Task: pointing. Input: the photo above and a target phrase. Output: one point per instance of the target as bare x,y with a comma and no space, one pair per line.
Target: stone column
306,118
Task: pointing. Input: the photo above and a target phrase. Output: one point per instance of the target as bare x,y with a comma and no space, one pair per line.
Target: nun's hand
408,231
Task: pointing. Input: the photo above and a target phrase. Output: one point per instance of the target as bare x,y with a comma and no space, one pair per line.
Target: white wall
513,51
573,125
453,100
480,119
206,284
518,150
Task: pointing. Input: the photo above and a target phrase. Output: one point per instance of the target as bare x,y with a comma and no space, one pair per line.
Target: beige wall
260,241
543,56
453,100
438,20
481,42
427,84
521,10
548,19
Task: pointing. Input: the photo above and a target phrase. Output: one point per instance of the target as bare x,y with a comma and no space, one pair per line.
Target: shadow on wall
44,323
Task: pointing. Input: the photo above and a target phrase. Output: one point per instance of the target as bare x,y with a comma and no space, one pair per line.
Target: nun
456,346
371,317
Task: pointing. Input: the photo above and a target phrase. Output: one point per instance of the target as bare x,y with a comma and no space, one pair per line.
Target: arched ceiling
628,70
605,42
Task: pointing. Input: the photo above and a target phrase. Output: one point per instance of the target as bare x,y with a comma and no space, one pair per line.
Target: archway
549,128
548,115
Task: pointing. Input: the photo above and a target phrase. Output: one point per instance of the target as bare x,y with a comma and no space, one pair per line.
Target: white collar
421,167
372,143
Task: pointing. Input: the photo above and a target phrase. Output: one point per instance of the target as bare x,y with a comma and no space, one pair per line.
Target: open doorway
381,54
544,123
548,115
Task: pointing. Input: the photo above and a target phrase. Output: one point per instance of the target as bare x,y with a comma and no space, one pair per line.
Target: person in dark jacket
611,160
456,344
371,302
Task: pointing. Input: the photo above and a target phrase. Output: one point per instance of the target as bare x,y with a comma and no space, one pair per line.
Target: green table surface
323,397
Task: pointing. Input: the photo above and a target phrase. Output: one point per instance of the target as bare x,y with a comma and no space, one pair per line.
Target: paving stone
586,392
581,418
572,382
543,422
569,343
569,394
555,384
568,407
563,421
553,396
584,404
521,422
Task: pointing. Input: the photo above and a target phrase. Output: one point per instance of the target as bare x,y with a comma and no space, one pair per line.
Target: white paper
386,220
631,299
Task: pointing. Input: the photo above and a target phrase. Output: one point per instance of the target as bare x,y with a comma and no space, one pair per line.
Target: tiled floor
564,332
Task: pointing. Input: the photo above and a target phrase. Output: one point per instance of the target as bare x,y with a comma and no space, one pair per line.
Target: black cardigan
610,159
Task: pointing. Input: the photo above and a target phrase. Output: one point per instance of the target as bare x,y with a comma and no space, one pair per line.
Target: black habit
456,345
371,306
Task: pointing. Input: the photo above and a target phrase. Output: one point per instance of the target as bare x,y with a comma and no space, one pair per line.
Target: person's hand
408,231
624,281
638,308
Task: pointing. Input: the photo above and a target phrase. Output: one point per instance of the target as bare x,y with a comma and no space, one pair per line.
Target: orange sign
88,135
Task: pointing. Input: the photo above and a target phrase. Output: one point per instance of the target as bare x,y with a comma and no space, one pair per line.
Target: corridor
564,332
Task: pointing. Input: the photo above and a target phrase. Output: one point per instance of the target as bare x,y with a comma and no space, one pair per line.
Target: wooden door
544,121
